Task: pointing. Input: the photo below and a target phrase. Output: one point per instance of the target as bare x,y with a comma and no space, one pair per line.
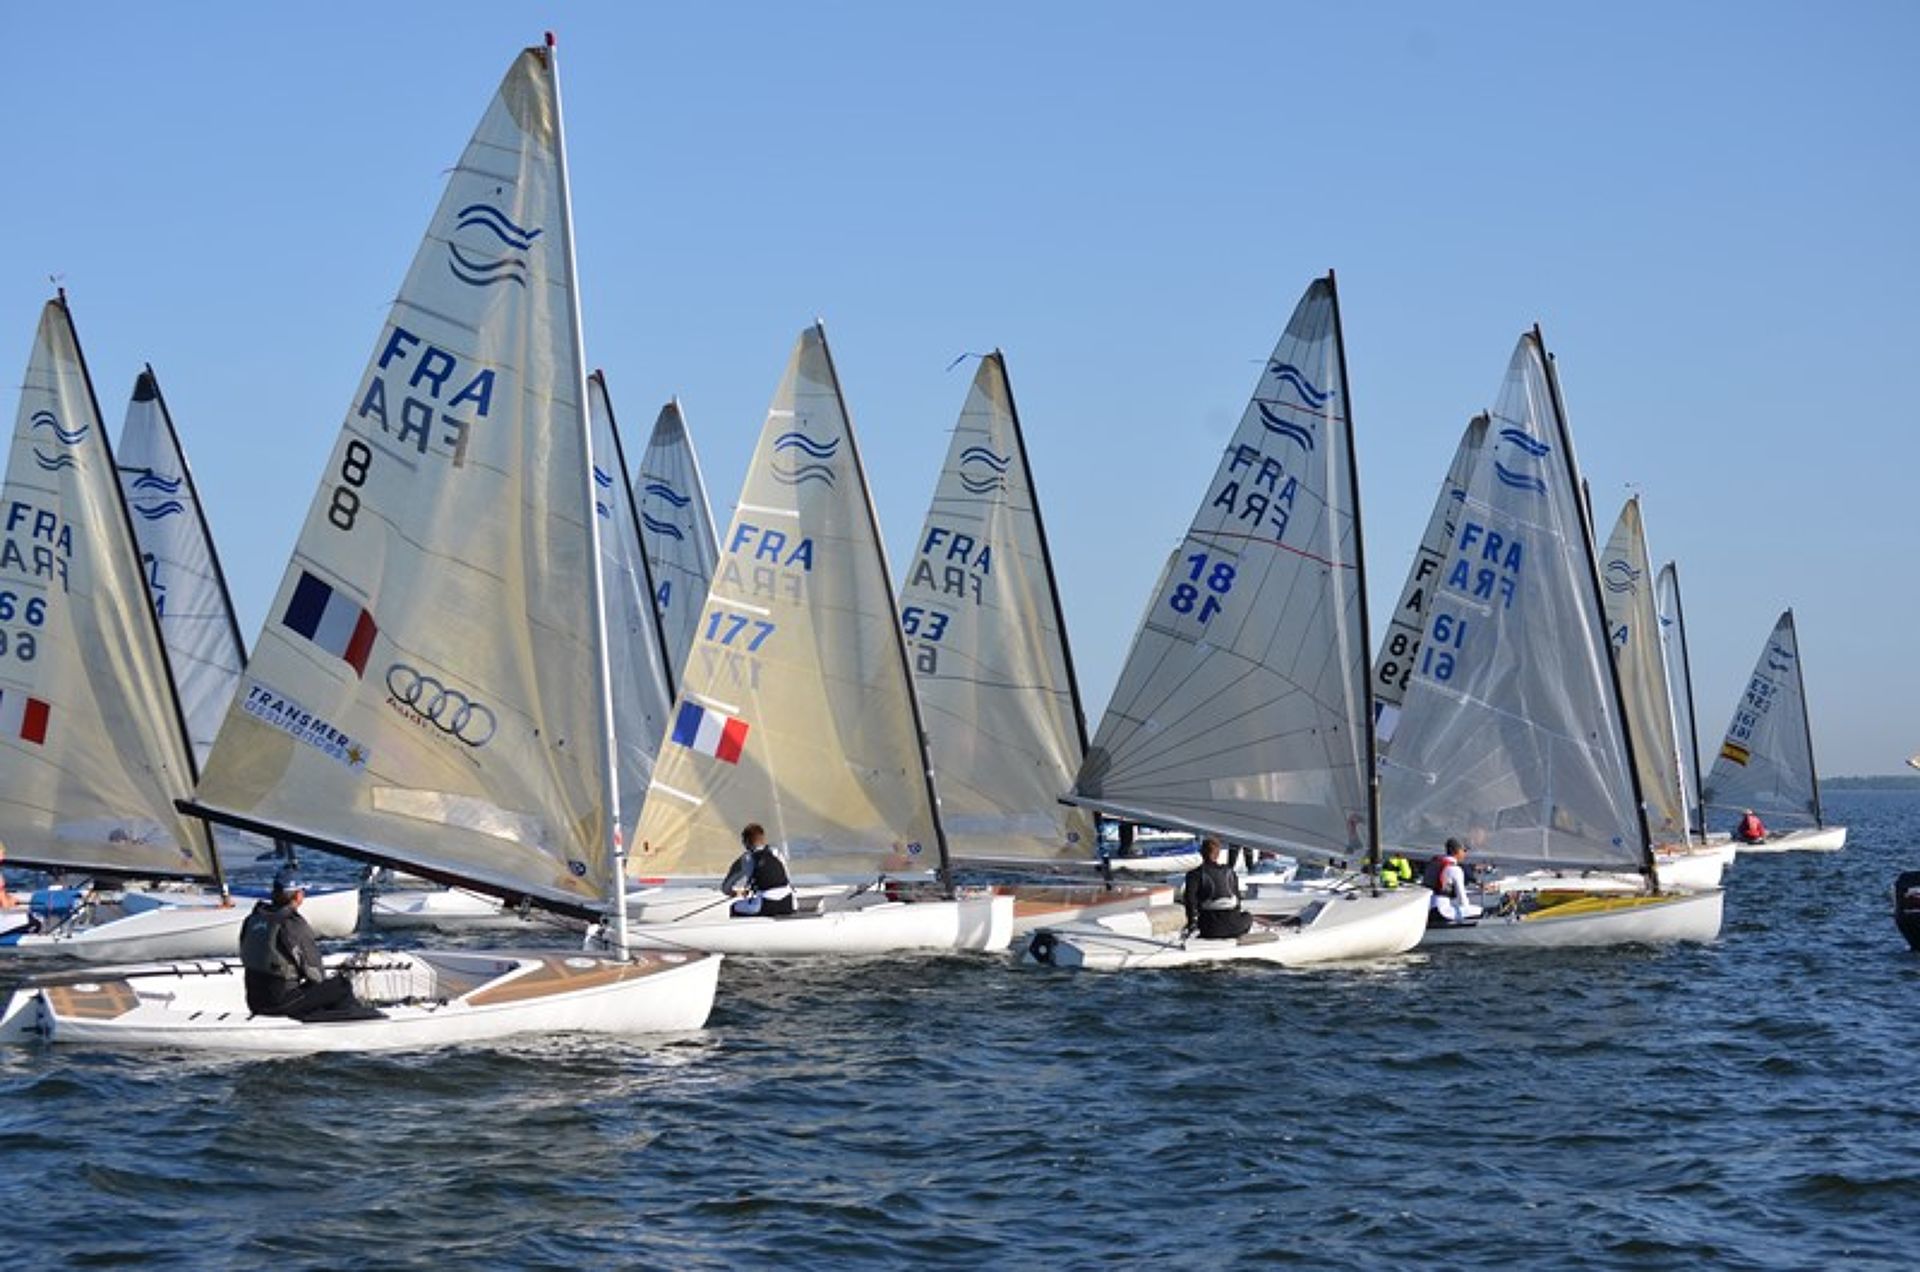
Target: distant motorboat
1906,905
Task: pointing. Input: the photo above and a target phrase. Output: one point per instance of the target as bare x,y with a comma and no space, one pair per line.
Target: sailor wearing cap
282,960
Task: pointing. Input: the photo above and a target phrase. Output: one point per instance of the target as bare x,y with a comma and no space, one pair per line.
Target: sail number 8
22,645
345,507
1188,597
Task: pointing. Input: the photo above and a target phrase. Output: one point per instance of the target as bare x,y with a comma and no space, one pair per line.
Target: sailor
1396,870
1751,829
282,960
1212,895
759,877
1449,885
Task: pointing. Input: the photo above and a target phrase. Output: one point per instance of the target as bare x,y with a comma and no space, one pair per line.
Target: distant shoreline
1875,782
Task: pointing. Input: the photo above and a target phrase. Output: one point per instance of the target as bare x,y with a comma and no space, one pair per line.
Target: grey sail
1400,646
1510,733
1765,762
1633,631
1673,636
1242,708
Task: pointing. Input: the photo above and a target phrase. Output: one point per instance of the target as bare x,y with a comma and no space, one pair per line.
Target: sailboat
1639,659
1765,762
431,689
798,711
1511,733
1244,709
982,617
682,549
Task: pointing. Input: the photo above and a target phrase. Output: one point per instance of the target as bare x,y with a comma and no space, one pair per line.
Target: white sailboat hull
1696,869
470,998
1334,928
458,910
1043,905
162,925
1813,839
1661,920
866,924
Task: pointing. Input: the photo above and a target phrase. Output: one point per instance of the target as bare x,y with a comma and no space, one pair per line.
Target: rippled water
1749,1104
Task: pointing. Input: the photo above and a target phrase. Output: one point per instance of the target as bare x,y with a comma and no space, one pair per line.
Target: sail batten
980,612
1509,735
1242,707
417,690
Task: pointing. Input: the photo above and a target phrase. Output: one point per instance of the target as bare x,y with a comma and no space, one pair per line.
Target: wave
801,442
48,420
803,474
478,273
1619,576
1284,427
982,485
1291,375
150,480
52,463
981,455
1519,481
602,478
668,493
665,529
1532,445
154,512
488,217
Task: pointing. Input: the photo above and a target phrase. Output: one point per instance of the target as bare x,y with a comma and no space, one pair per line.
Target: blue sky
1711,209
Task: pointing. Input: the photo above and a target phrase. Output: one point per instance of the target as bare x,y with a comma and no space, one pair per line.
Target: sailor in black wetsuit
1212,895
759,877
282,961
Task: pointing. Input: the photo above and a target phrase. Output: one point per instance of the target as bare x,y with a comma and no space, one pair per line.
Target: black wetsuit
1209,889
284,973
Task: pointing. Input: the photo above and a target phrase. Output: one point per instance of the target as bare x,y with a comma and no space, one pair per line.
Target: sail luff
153,614
1611,669
597,586
893,605
1806,717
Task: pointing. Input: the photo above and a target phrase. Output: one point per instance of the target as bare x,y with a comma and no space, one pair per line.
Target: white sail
1400,646
636,658
1765,762
1242,707
204,645
982,618
1673,641
93,750
796,710
1633,625
425,689
678,530
1510,735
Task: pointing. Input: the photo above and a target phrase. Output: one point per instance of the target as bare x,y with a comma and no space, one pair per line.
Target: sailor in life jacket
1751,829
759,877
1447,878
1212,896
281,960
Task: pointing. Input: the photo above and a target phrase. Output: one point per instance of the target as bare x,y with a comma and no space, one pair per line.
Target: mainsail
189,590
1510,735
1243,708
427,687
642,681
1400,647
1766,760
681,550
93,747
1673,639
797,707
983,619
1632,630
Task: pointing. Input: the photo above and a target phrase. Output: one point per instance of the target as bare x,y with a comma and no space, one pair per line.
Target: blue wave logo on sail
668,493
150,480
1284,427
52,463
1526,442
1620,577
1779,659
665,529
160,511
1519,480
1294,378
51,422
473,266
798,469
995,465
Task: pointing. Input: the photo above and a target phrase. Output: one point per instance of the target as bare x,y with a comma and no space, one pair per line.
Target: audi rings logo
443,707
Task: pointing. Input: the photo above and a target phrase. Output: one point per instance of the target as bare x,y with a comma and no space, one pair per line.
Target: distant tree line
1876,782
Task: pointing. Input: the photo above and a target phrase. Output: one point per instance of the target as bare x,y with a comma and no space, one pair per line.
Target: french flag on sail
332,620
709,732
23,717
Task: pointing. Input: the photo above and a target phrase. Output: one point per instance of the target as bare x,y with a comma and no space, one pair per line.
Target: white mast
609,776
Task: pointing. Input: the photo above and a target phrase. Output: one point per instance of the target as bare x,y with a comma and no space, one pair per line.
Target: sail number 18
1204,575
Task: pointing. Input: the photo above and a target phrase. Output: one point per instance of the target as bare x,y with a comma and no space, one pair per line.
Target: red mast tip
551,42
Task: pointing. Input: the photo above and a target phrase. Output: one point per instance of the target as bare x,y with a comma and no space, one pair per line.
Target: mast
640,532
609,773
1686,676
1046,559
153,613
893,611
1366,620
1599,607
200,513
1806,718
